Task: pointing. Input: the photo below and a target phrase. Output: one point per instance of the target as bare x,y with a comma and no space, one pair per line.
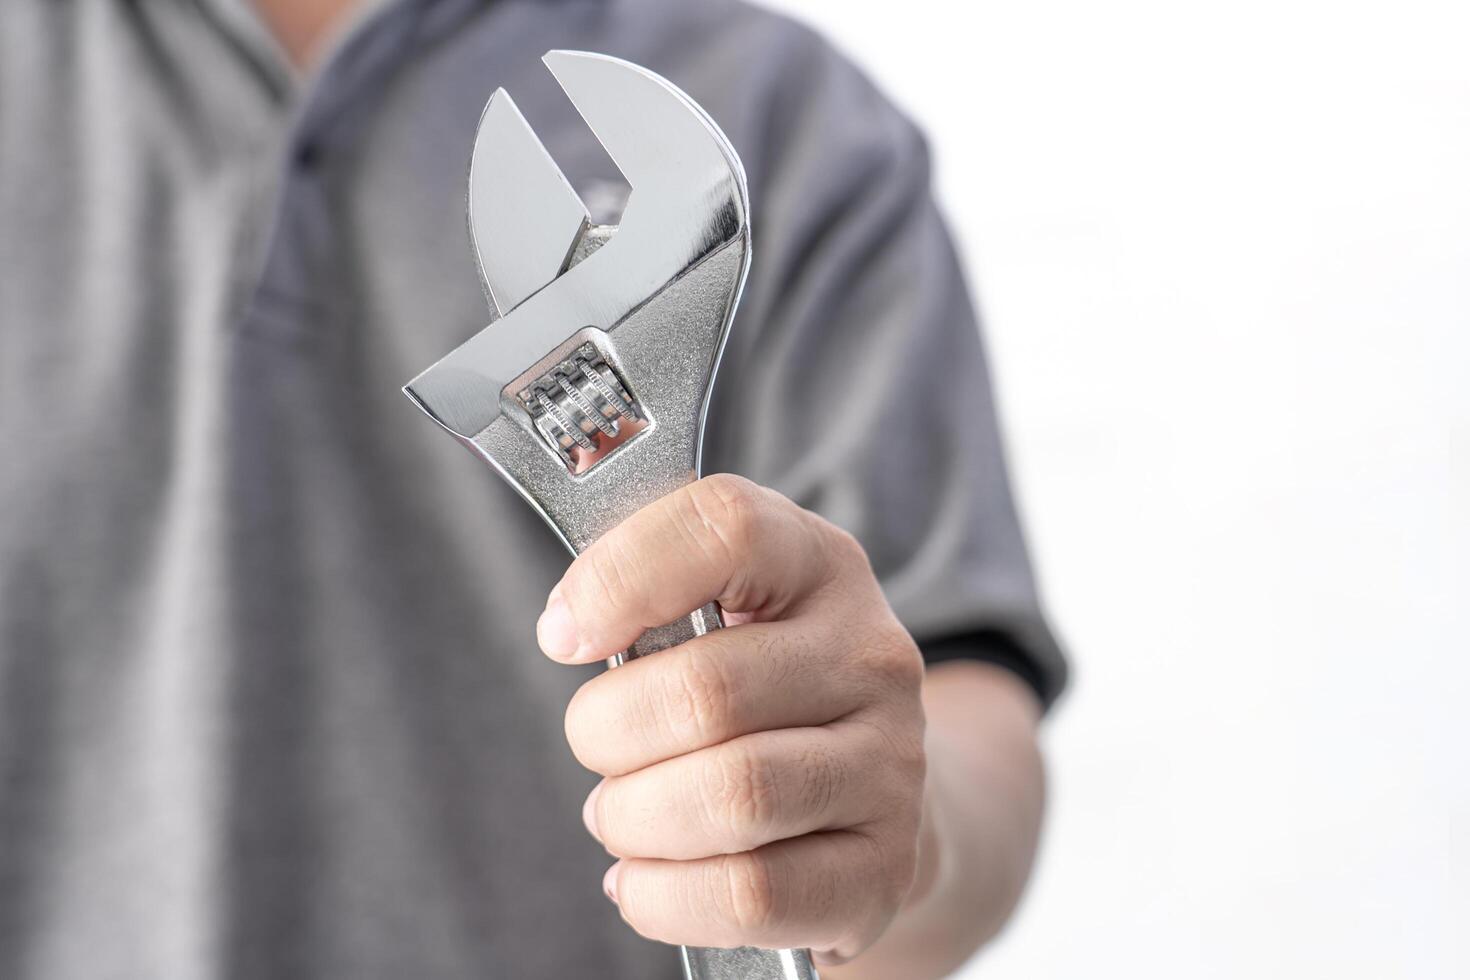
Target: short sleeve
856,382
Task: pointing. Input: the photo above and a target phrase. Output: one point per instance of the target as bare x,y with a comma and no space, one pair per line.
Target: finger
828,892
742,794
716,687
719,539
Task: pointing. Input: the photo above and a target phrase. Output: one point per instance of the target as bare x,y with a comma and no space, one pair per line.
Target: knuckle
902,870
904,745
729,507
753,895
914,761
642,716
699,705
845,552
606,575
736,491
899,743
823,775
905,866
891,864
846,573
788,659
895,660
746,796
845,544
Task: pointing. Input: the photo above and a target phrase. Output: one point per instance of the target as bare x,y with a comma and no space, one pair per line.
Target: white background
1224,255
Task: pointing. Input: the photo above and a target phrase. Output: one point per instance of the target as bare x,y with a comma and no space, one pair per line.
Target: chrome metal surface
514,183
651,300
745,962
583,409
688,201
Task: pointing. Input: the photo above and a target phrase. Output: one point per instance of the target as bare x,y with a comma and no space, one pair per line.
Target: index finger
721,539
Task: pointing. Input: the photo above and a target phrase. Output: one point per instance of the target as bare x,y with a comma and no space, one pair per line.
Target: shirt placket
289,288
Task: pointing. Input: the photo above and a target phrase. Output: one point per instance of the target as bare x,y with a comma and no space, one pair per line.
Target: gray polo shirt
270,700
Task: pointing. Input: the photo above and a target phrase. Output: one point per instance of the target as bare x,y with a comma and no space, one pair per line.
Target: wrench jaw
655,299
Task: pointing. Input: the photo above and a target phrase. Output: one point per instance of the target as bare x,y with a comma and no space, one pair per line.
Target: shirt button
308,155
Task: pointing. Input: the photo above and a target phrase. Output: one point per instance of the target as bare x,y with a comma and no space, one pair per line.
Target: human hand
763,783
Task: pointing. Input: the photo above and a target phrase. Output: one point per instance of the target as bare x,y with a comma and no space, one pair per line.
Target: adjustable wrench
588,390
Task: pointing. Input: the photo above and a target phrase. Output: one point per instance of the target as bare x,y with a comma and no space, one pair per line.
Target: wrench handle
747,963
697,623
743,962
